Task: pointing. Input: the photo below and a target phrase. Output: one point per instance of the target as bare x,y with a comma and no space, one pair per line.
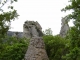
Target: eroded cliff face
64,27
36,50
31,29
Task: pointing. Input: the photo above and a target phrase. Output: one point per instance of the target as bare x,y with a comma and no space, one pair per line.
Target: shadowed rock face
31,29
36,50
64,27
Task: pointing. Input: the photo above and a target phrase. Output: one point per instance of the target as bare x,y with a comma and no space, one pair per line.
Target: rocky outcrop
64,27
36,50
31,29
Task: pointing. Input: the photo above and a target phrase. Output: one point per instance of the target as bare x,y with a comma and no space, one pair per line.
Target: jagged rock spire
64,27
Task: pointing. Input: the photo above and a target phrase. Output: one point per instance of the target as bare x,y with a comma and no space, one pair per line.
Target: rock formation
36,50
64,27
31,29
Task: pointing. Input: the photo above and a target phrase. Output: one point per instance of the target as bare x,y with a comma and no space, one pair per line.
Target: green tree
6,17
74,33
56,46
13,48
48,31
5,20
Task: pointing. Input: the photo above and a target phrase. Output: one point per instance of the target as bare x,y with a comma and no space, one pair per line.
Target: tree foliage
13,48
6,17
48,31
56,46
74,33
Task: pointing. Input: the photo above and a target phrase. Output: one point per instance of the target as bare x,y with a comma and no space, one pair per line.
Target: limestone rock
64,27
36,50
31,29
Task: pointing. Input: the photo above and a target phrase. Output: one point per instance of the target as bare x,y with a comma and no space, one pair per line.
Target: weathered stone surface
31,29
34,31
36,50
64,27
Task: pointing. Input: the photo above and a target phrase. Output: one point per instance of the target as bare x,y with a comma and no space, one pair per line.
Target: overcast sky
46,12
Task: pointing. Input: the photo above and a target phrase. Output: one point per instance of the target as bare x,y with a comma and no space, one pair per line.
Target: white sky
46,12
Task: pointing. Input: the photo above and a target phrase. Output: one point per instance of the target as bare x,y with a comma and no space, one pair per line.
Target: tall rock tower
64,27
36,49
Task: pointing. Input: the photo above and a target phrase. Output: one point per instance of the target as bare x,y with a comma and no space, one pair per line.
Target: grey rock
31,29
64,27
36,50
34,31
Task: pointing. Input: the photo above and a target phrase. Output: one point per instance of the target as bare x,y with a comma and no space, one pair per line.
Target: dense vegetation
74,33
58,48
13,48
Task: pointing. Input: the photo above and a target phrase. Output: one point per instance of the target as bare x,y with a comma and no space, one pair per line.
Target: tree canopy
74,33
6,17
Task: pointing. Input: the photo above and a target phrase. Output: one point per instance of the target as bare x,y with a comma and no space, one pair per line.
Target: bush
13,48
56,46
